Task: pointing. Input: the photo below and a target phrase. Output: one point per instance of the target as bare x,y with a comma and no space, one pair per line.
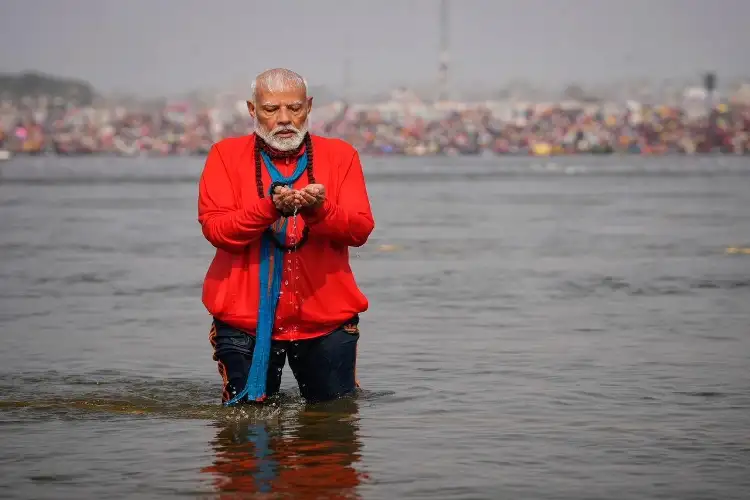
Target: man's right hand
285,200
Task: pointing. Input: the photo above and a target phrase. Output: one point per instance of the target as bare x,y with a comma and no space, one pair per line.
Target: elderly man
282,208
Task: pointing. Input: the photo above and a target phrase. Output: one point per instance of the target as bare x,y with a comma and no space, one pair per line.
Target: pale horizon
173,46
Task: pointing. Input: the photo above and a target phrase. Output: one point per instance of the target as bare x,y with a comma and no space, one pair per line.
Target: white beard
282,143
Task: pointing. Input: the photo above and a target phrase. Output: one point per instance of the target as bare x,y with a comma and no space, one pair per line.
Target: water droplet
278,369
286,282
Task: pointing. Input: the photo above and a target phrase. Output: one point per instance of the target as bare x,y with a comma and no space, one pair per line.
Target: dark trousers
324,367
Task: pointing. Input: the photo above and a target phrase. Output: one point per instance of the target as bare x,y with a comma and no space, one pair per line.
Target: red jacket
320,292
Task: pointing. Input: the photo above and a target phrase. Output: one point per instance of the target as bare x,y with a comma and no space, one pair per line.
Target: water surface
564,329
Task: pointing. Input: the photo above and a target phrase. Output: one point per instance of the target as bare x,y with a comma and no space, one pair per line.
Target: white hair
276,80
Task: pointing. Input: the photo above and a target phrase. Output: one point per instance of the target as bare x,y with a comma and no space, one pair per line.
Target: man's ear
309,104
251,108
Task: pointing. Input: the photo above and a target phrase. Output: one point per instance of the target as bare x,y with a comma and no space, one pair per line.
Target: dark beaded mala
260,145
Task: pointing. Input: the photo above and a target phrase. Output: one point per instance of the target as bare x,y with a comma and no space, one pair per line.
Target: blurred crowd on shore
396,128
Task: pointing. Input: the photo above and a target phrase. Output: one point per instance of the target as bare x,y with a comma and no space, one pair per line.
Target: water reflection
311,453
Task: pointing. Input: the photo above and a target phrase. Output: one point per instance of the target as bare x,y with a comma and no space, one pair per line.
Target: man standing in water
282,208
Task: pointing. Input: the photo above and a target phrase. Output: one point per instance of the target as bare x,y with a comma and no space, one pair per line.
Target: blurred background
418,77
558,279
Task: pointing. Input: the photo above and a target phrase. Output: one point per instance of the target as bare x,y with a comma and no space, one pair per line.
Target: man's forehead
281,102
276,97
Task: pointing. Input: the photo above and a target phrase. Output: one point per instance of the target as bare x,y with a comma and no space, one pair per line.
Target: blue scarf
271,269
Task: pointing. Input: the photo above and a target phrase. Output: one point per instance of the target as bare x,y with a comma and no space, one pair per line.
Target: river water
567,329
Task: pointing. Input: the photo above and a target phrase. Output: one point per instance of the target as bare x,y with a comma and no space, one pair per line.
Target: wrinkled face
281,116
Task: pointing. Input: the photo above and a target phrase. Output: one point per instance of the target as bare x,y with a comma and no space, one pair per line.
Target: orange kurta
318,290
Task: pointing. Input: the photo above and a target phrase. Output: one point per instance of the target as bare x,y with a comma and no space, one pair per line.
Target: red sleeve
225,225
350,221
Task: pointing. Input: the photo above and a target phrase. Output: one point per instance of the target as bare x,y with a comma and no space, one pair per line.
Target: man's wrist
316,213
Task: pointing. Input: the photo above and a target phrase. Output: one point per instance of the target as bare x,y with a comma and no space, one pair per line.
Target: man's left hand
311,196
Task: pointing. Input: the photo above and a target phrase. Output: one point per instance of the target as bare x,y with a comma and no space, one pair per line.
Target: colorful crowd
461,129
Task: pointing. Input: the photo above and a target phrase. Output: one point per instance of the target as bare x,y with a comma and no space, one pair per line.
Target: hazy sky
176,45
